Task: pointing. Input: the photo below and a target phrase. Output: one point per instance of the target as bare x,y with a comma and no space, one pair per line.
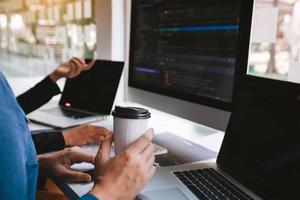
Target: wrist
103,193
42,165
40,160
68,139
55,77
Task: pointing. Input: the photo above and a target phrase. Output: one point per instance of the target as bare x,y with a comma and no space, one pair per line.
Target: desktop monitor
185,56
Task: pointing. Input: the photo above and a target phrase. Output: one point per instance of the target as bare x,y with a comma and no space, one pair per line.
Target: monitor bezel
240,69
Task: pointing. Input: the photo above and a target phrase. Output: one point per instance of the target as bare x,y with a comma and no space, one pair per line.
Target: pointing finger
104,151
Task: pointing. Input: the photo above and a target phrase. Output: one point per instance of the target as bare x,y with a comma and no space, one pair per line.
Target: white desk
160,121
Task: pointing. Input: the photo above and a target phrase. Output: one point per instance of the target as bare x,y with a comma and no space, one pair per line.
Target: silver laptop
259,157
86,98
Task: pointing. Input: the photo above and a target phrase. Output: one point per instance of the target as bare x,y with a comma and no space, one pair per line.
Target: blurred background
275,47
36,35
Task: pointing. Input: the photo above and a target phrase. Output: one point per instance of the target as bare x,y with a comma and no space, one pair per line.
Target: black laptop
259,157
86,98
261,148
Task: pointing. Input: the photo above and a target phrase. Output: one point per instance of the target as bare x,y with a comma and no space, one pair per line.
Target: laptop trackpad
165,194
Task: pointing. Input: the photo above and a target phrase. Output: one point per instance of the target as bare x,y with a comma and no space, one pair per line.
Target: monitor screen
261,145
186,49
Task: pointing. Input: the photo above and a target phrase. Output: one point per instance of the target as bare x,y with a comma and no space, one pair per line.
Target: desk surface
160,121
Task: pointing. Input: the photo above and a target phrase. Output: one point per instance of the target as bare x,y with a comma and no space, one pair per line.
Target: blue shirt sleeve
88,197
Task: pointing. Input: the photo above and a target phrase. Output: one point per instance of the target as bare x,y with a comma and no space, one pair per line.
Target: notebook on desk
86,98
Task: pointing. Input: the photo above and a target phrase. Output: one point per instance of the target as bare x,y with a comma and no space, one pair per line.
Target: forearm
38,95
44,165
48,141
54,76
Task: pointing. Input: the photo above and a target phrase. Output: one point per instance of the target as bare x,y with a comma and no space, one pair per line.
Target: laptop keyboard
68,113
208,184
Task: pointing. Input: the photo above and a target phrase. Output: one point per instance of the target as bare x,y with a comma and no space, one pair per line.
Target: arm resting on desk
45,142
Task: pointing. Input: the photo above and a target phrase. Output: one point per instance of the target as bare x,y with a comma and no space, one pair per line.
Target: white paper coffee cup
130,123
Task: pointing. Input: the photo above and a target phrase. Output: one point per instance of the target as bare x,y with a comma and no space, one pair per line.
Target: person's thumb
103,154
73,176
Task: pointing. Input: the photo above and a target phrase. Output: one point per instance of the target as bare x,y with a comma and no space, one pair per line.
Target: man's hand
57,165
85,134
123,176
70,69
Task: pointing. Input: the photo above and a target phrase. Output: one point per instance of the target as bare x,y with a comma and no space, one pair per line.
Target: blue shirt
18,163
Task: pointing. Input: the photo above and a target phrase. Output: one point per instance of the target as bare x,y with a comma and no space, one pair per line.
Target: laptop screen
261,148
93,90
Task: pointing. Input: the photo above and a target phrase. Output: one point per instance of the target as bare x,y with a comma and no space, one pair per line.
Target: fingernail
89,179
108,135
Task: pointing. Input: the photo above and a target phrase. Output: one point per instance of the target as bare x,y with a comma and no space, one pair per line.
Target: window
275,41
37,35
